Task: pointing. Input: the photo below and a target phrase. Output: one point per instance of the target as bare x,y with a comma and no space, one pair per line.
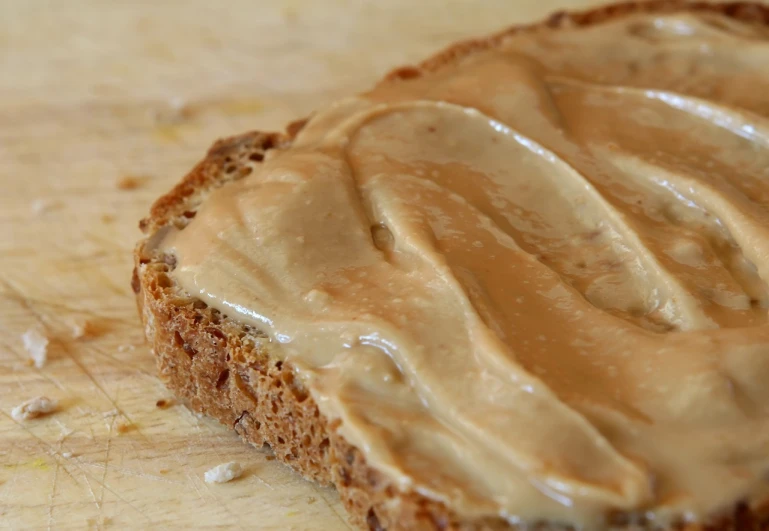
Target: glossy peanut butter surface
532,283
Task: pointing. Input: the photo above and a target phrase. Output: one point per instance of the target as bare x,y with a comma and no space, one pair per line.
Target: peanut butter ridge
532,283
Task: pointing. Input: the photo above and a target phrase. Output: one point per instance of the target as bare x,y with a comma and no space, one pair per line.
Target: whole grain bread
224,368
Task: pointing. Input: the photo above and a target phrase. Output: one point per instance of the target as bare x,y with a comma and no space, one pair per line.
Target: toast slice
225,369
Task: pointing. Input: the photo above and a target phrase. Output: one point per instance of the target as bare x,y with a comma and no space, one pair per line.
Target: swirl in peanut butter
534,282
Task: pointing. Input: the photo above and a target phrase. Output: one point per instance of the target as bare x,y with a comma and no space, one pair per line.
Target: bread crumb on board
224,473
33,408
43,205
164,403
129,182
123,426
36,345
174,112
82,328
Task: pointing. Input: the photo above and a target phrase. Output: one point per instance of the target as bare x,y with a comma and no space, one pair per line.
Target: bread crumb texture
224,473
36,345
33,408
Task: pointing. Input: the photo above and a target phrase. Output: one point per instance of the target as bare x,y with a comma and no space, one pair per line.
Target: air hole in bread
345,477
295,387
244,172
407,72
373,522
223,377
256,157
299,394
215,332
136,284
164,281
189,350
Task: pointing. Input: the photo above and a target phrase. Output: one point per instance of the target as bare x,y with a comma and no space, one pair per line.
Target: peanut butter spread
532,283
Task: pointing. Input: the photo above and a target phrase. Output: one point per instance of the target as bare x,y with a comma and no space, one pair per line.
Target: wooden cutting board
103,107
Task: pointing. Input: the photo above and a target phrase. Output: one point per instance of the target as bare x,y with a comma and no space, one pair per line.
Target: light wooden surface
92,92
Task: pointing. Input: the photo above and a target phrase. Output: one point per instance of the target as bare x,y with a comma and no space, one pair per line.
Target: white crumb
111,413
66,455
34,407
81,328
174,112
177,103
42,205
224,473
125,348
36,344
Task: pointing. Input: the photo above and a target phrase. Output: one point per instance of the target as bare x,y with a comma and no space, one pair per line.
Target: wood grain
94,92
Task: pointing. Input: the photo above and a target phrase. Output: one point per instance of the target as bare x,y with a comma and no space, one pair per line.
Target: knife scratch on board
76,360
52,495
106,466
332,508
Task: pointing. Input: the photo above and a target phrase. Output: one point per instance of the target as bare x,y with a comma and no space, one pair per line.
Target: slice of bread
224,368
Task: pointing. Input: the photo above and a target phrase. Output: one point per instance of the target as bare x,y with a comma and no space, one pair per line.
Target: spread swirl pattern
532,283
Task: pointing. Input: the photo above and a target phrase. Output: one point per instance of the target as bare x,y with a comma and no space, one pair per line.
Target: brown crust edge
223,369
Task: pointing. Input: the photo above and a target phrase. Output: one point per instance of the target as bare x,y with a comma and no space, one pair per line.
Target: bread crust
224,369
